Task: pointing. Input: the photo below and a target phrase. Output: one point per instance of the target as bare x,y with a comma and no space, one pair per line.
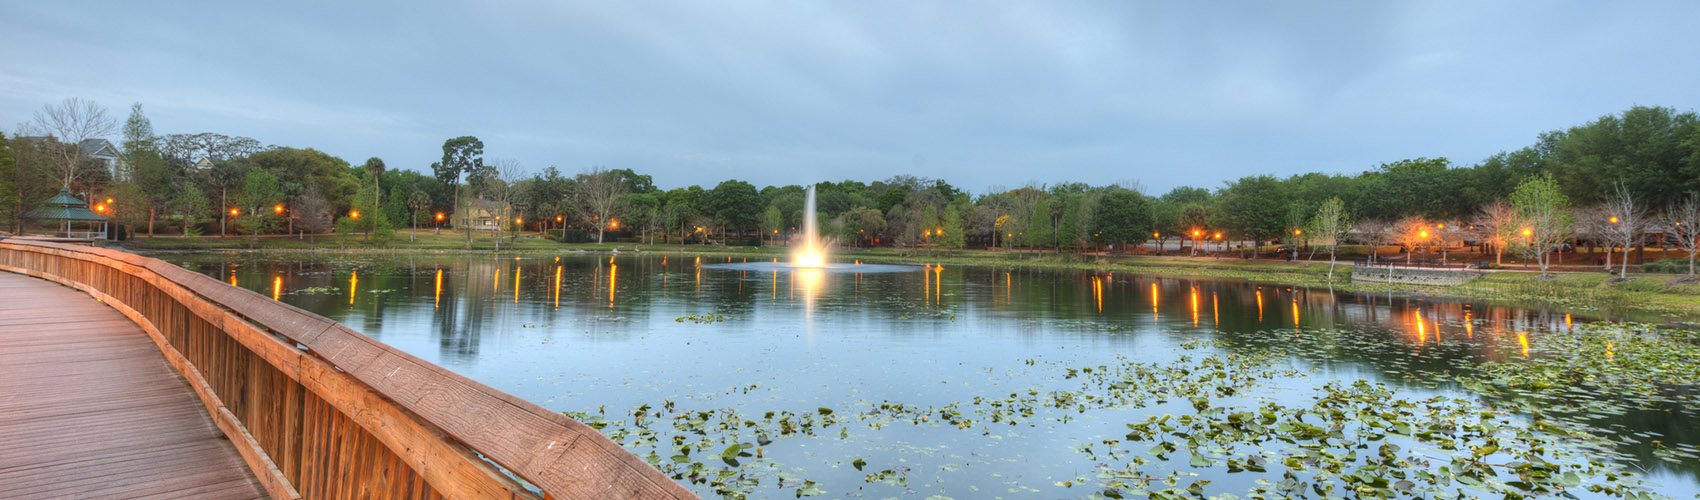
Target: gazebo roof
64,199
65,207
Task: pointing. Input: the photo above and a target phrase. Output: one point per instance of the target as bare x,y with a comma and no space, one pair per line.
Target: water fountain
811,250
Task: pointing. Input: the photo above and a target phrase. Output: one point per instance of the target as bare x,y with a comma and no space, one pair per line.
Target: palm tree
416,201
375,167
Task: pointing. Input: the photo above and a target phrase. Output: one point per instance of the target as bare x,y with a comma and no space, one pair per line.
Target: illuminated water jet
811,249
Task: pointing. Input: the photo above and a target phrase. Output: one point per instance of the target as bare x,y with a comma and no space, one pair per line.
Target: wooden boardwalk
89,408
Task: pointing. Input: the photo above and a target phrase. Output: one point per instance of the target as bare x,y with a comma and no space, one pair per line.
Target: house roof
95,146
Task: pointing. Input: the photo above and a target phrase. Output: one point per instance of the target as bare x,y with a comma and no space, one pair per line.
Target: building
103,153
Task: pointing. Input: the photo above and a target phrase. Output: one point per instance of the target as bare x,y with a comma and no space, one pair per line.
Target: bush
1672,266
571,235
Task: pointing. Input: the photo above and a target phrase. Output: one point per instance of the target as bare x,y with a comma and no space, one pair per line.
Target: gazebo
67,209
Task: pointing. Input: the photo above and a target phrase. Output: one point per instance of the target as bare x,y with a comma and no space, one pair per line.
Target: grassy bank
1648,297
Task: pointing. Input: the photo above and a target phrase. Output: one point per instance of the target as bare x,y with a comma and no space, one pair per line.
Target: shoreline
1649,298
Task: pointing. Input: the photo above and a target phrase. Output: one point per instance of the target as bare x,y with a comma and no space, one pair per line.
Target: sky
982,94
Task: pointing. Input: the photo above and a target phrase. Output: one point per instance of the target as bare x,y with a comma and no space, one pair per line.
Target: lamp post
439,223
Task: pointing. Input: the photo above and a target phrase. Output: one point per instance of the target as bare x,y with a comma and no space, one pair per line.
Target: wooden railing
320,411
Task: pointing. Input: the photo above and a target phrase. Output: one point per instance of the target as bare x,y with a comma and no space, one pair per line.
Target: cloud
794,92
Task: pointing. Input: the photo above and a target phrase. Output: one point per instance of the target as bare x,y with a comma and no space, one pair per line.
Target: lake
915,381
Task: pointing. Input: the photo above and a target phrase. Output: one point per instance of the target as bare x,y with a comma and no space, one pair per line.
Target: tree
734,203
1375,233
771,221
190,204
417,201
1411,232
147,170
596,197
1330,225
259,191
1497,225
1068,222
8,190
1626,221
183,150
1255,207
375,167
1682,219
71,122
32,177
860,224
1593,224
312,213
504,187
952,228
224,175
1040,231
1123,216
1544,212
461,156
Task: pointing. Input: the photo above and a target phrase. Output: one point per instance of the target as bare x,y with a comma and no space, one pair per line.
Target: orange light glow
277,287
278,209
1526,232
100,208
1423,234
1296,232
1614,220
235,212
109,201
354,214
439,216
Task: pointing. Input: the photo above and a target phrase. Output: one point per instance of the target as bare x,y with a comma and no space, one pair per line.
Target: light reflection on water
600,332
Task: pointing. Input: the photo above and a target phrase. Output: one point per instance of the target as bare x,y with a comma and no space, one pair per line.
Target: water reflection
568,344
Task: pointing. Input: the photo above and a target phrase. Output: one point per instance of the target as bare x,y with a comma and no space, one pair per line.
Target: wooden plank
116,421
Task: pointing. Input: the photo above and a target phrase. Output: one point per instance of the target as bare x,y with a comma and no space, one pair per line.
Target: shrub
571,235
1673,266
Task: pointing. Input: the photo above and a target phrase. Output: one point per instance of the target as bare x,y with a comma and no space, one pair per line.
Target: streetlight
354,214
1614,219
235,212
277,209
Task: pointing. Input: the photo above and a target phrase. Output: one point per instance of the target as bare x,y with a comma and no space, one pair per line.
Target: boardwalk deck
90,409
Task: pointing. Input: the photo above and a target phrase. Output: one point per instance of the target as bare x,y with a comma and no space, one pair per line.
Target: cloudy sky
979,93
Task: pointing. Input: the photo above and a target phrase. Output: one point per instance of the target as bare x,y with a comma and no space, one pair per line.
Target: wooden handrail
320,411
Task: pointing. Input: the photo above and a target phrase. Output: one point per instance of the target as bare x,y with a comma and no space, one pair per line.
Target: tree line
199,183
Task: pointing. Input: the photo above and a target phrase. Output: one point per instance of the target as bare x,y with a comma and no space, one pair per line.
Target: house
103,153
100,152
486,215
203,163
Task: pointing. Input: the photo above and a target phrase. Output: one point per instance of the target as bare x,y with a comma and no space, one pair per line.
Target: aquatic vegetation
1354,438
702,319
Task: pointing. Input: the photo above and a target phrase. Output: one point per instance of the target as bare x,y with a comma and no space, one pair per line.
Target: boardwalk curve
90,409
